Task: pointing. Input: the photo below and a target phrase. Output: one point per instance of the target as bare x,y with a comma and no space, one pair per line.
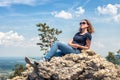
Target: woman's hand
74,45
87,46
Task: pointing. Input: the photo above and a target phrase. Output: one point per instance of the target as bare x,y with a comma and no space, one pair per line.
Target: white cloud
69,15
117,18
62,14
10,37
14,39
4,3
79,11
112,10
108,9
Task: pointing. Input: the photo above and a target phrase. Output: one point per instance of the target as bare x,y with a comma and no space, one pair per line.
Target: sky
18,19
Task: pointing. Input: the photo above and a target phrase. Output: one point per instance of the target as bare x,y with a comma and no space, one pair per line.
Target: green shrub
18,68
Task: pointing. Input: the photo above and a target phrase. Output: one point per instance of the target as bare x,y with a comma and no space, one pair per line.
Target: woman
80,41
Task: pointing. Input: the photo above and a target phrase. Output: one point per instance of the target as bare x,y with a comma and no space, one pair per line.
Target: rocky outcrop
84,66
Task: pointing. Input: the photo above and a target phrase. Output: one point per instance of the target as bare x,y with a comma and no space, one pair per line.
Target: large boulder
84,66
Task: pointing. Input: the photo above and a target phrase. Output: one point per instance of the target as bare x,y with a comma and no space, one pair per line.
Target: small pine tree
47,36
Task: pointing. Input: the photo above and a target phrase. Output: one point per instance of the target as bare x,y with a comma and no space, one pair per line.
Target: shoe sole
29,61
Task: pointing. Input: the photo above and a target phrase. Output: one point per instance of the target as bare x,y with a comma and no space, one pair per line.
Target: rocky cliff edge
84,66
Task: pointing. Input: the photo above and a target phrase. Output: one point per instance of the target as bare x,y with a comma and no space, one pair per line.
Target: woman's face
83,24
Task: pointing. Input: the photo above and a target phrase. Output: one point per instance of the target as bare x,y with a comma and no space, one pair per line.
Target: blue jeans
60,49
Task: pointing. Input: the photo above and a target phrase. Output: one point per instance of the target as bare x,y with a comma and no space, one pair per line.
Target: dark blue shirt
81,39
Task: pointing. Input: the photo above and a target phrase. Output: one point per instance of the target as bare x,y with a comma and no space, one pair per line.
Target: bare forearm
70,42
87,46
83,47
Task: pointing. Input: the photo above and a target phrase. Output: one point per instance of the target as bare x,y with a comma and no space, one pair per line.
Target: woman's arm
87,46
71,44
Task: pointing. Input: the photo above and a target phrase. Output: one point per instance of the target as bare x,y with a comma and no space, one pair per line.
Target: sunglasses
82,23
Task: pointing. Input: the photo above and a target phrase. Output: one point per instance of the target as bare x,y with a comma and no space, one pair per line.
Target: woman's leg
64,48
59,53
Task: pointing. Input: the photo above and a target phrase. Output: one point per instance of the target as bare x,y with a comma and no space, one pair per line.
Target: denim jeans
60,49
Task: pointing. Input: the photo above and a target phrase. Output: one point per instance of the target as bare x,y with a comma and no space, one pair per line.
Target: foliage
111,57
47,36
118,51
18,68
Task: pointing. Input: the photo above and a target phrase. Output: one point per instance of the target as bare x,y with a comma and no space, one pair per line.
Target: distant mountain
8,63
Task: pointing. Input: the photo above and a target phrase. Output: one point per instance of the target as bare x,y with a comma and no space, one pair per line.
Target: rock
84,66
18,78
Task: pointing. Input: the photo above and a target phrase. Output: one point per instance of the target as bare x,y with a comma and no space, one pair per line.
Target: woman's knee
57,42
58,53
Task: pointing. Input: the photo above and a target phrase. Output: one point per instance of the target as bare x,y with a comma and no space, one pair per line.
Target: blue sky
18,19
